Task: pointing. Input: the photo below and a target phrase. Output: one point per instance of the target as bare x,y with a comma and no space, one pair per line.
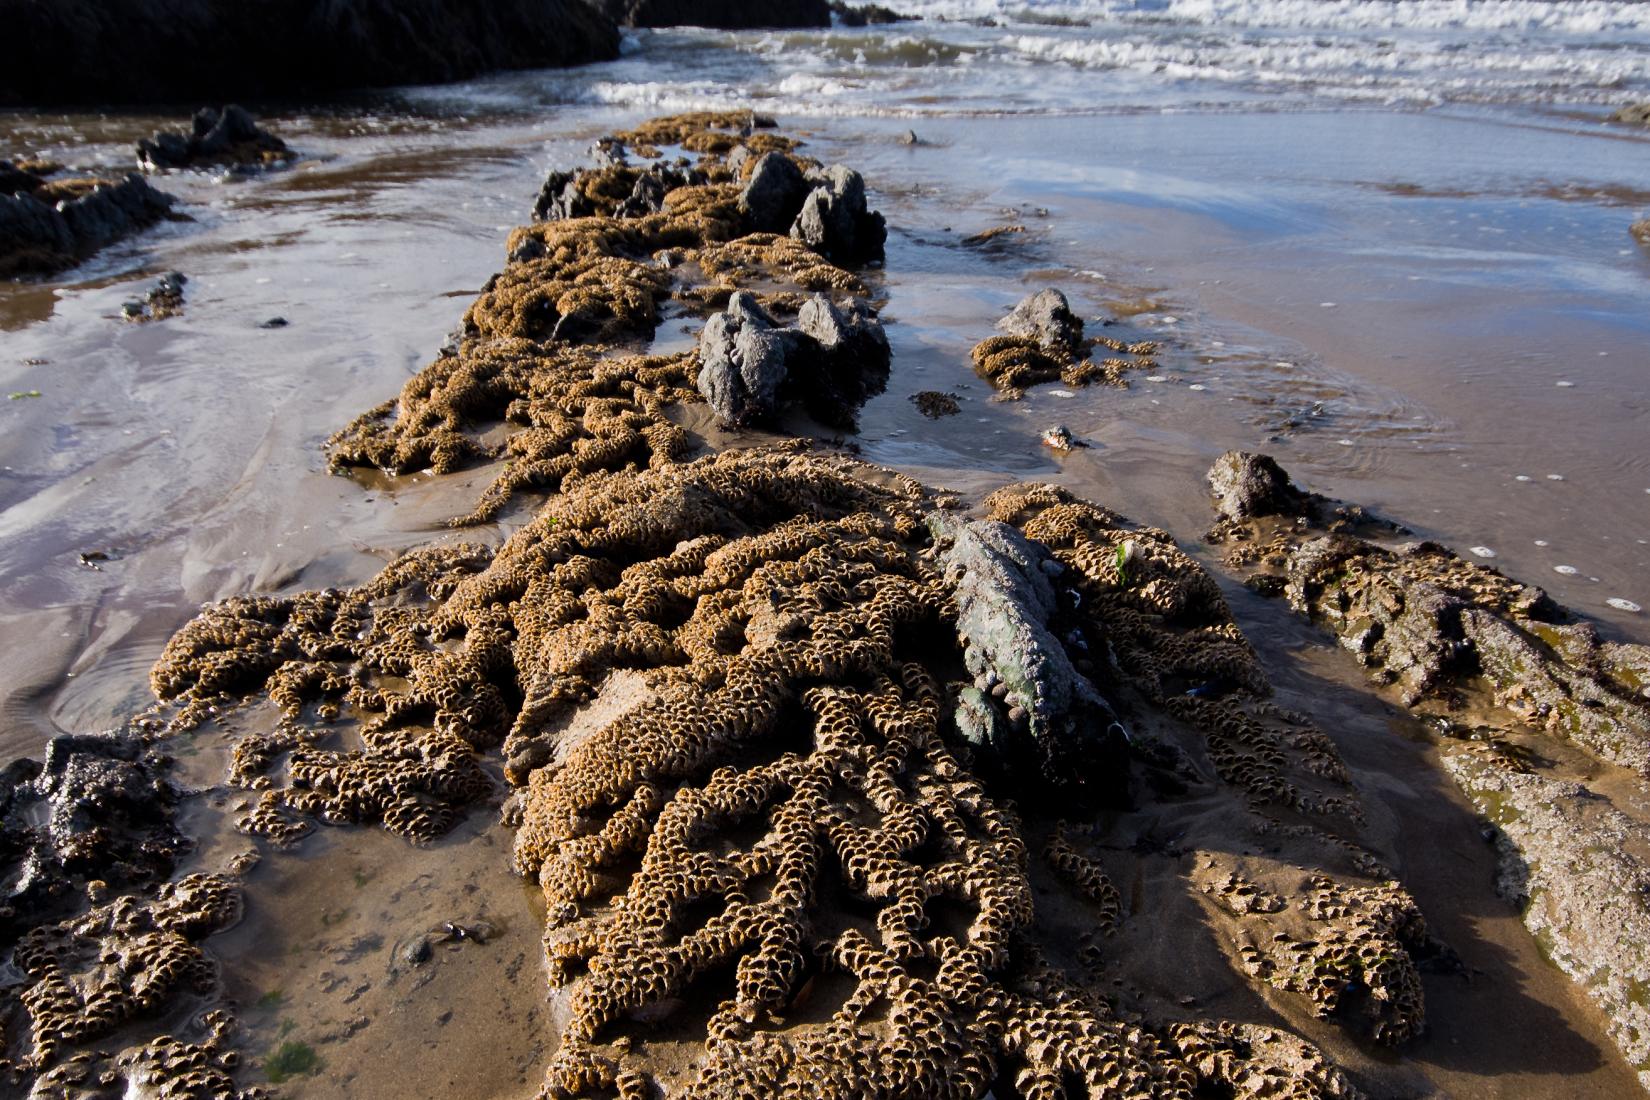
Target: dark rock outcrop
226,136
1046,319
99,808
835,221
48,225
723,14
751,366
773,194
1247,485
1029,709
158,50
585,193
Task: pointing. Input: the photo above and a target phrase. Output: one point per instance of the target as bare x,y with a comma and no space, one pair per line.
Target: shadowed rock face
726,14
226,136
48,225
750,366
150,50
99,807
1546,725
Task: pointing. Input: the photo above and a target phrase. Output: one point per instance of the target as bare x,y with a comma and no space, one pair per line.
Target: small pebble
1345,442
1623,605
1483,551
1061,393
274,322
1523,477
1197,386
1567,570
1564,385
1542,542
1555,477
1160,378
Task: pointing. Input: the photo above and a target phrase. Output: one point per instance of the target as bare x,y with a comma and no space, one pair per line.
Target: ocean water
1053,56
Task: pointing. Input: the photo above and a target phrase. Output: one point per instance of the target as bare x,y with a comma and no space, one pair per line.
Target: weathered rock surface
1557,712
774,194
1641,231
613,189
751,366
1028,707
163,50
226,136
1636,114
98,808
725,14
1247,485
48,225
835,221
1045,318
1580,870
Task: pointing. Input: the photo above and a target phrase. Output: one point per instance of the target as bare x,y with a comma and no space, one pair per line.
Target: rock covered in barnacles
1028,701
751,366
1247,485
774,194
835,221
1046,318
226,136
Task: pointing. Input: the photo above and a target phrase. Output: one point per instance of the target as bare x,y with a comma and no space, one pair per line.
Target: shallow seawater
1426,304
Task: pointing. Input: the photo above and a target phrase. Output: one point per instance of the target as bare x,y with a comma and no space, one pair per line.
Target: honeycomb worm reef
1545,726
832,787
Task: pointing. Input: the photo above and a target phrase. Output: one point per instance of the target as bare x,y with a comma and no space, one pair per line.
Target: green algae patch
291,1059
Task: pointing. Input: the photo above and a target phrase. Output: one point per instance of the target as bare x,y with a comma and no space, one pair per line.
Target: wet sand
188,450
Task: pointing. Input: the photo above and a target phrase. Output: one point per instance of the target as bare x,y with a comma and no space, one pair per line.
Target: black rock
774,194
835,221
274,322
751,367
866,15
42,231
227,136
99,807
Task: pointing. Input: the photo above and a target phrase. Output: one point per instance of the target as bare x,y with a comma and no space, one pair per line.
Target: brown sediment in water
726,693
1546,726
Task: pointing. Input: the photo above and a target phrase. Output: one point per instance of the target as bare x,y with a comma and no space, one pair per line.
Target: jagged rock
724,14
1046,318
1575,865
56,224
836,223
1029,707
587,193
1247,485
133,51
227,136
750,366
774,194
742,355
99,807
1634,114
845,361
